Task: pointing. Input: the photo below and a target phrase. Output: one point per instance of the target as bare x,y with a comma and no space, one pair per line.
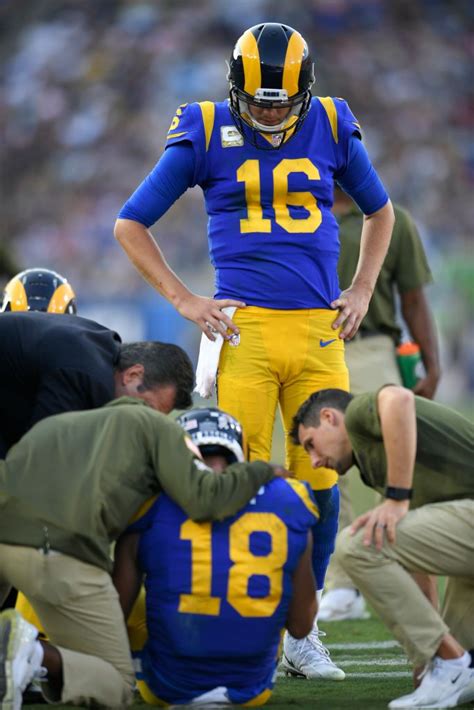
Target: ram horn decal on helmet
39,290
270,67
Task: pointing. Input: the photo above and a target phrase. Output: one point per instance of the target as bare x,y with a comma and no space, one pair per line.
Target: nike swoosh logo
324,343
455,679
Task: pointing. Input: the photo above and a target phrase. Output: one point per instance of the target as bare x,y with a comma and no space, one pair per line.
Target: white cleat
443,686
342,605
308,658
17,658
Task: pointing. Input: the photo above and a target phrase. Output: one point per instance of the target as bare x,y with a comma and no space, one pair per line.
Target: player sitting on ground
219,594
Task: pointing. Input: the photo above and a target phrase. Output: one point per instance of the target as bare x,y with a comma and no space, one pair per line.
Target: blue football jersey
273,239
217,594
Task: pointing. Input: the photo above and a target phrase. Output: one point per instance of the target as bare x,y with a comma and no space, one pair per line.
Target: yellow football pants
282,358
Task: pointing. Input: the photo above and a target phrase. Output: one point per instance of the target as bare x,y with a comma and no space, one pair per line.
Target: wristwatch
395,493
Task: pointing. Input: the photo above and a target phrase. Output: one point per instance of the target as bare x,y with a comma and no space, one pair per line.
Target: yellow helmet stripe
15,293
60,299
208,110
330,108
292,66
251,61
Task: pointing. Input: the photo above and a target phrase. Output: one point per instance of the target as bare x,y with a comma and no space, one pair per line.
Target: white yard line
380,674
376,675
361,646
400,661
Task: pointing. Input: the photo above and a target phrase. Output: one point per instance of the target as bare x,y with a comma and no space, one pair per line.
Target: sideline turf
353,693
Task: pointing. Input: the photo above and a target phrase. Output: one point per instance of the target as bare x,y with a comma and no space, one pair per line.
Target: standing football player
266,160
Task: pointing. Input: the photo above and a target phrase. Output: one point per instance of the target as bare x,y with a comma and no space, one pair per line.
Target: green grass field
375,665
376,672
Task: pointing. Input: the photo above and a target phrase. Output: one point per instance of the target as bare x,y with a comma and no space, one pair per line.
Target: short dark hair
309,413
164,364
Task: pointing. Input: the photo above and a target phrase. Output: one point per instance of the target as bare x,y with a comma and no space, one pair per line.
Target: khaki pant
78,607
372,363
436,539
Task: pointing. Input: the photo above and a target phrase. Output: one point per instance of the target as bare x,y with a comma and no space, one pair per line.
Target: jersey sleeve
145,515
360,179
301,510
190,125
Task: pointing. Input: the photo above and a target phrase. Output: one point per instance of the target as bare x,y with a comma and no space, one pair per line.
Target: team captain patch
230,137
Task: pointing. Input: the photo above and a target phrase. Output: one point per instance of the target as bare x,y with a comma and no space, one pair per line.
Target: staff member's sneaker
444,685
308,658
342,605
19,658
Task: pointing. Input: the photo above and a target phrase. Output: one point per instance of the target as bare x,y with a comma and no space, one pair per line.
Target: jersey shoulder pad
193,123
341,119
145,515
293,501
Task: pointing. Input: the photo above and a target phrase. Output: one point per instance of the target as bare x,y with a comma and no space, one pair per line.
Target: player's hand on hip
207,314
380,522
352,304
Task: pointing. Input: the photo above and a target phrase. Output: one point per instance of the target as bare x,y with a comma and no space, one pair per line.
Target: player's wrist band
395,493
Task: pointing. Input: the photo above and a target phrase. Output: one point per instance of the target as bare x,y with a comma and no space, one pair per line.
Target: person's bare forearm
418,317
146,255
143,251
375,239
353,303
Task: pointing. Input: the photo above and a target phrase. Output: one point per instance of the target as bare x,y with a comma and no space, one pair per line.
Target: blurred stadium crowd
89,89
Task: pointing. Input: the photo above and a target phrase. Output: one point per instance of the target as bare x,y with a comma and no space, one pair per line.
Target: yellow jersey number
244,565
249,174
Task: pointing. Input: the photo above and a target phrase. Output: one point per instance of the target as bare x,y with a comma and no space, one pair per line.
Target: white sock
37,655
463,661
319,594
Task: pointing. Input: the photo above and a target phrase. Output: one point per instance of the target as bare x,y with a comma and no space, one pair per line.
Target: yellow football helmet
39,290
270,67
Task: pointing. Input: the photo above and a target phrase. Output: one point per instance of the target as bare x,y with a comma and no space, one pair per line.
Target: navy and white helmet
214,432
39,290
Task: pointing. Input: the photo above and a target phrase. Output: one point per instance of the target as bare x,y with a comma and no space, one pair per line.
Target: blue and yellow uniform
217,594
274,244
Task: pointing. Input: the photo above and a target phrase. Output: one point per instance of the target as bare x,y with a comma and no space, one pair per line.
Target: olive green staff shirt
75,480
444,468
405,267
